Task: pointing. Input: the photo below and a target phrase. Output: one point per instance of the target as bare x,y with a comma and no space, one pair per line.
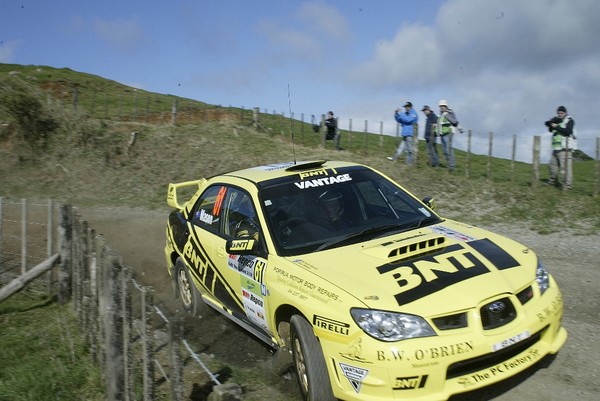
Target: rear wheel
309,362
188,294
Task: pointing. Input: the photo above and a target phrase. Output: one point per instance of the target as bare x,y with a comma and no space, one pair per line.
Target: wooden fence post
514,155
148,343
490,152
350,134
597,169
468,155
174,112
24,223
127,334
537,140
115,368
49,242
175,337
66,263
93,311
0,227
366,144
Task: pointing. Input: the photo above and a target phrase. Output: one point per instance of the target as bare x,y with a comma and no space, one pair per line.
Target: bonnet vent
417,248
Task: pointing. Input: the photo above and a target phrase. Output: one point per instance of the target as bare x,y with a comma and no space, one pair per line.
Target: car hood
433,270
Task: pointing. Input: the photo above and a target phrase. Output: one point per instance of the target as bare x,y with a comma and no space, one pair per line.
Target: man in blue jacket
407,119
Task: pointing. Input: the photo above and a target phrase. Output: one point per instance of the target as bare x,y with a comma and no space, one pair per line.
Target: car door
243,272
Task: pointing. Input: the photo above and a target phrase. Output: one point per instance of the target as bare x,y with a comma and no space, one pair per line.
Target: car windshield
331,208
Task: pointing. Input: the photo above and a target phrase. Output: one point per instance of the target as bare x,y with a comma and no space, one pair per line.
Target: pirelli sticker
433,272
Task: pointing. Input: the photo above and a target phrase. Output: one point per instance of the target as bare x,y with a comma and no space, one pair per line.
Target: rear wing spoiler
174,187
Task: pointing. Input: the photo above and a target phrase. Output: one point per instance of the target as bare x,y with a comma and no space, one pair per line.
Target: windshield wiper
367,232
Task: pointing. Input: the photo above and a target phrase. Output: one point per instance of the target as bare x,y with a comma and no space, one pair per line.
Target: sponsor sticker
355,375
510,341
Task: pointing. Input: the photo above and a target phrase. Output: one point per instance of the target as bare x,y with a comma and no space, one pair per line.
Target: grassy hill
69,136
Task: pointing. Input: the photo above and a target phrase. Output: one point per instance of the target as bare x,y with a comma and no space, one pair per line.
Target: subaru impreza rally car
359,287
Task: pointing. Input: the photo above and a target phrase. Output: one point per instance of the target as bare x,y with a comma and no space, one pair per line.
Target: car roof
269,172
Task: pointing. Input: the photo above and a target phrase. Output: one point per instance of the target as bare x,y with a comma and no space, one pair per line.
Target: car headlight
390,326
542,277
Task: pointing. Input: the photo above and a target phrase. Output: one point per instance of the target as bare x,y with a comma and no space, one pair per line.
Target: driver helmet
332,204
247,229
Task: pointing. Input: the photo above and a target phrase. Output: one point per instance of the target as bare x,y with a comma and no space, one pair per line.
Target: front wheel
188,294
309,362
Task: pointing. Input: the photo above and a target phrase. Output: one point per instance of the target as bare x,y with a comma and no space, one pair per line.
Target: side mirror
429,202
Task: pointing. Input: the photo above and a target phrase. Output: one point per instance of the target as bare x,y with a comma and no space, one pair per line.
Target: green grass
42,354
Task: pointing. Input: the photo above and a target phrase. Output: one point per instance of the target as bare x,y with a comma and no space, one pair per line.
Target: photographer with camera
563,138
407,119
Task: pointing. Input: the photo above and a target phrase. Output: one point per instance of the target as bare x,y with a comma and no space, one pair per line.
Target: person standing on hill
430,139
444,128
562,128
331,125
407,119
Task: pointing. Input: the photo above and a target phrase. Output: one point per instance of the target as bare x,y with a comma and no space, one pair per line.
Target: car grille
451,322
482,362
497,313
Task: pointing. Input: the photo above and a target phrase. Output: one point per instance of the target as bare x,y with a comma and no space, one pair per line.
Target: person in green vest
562,128
444,128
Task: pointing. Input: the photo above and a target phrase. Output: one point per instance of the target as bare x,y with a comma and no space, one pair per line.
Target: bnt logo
410,383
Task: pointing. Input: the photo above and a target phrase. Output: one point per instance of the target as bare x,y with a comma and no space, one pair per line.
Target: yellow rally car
362,289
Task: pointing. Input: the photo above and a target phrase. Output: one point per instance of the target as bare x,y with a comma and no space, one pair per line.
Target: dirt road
138,235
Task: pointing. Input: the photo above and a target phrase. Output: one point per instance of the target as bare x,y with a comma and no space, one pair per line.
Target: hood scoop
407,248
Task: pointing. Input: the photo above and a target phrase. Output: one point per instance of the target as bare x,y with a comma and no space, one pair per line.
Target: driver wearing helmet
247,229
331,203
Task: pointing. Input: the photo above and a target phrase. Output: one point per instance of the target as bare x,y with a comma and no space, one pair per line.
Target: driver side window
239,215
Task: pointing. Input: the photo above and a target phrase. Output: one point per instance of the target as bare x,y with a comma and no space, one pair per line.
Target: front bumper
435,368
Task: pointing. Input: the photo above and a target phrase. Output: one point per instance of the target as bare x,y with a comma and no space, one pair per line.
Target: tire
188,294
309,362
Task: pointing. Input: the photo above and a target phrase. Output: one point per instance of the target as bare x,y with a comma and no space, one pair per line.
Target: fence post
597,169
127,334
94,315
115,372
175,337
380,134
468,155
490,151
536,161
366,137
350,134
415,139
174,112
148,343
0,227
23,235
255,114
514,155
66,247
49,243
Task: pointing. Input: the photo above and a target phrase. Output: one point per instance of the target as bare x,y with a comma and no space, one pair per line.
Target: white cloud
320,16
125,34
7,50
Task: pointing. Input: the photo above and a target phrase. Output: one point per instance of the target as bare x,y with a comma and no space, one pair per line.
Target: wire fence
136,345
140,106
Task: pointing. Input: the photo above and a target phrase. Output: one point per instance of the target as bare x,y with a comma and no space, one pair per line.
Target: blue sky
504,66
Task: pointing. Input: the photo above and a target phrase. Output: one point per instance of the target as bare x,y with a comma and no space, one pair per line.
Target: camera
553,120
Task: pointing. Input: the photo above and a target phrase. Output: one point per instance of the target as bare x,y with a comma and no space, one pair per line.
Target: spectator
446,123
430,139
563,139
332,132
407,119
